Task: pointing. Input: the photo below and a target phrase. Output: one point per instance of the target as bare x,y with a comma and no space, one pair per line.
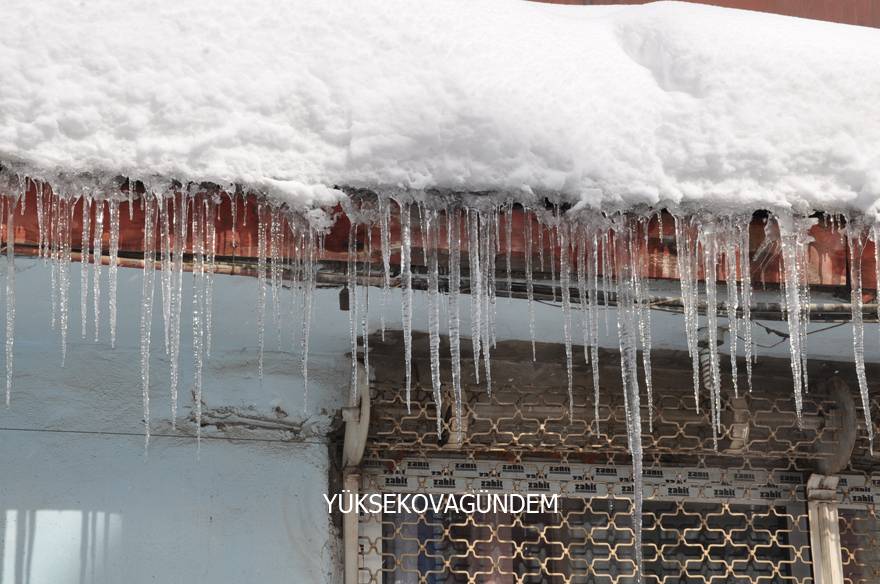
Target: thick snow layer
667,103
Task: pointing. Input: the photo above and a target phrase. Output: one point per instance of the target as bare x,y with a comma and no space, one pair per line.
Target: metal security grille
735,515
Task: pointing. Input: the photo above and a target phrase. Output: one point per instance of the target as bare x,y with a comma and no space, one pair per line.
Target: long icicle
353,321
406,304
147,309
476,286
97,254
10,293
746,292
198,309
85,241
430,241
454,323
261,286
627,309
113,269
530,283
564,272
856,239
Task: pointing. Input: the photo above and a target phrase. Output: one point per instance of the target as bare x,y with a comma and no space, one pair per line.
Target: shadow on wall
49,545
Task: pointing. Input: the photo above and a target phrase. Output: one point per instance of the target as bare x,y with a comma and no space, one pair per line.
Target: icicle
564,272
730,236
592,261
855,236
476,286
261,285
180,230
198,307
275,244
709,239
793,238
10,294
233,205
430,240
627,316
487,249
453,217
84,263
579,246
492,288
54,254
385,243
365,316
686,254
406,303
114,268
147,307
746,292
98,255
351,273
210,268
165,261
309,265
41,219
508,224
66,208
530,284
644,314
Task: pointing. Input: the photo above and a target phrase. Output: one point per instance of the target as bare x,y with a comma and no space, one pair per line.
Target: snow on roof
668,103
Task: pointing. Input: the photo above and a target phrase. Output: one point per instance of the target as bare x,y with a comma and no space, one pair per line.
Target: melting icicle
855,235
147,307
406,304
686,254
592,261
508,225
84,263
62,260
429,239
487,270
275,244
709,239
564,272
453,231
165,262
41,219
476,287
114,268
385,244
308,296
97,254
730,236
365,317
180,230
644,314
794,238
351,273
627,315
530,284
210,267
10,294
261,285
198,308
746,291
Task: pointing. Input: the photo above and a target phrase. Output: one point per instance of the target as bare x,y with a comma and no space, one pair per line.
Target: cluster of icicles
594,260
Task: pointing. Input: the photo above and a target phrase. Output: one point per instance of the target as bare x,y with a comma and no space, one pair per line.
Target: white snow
668,103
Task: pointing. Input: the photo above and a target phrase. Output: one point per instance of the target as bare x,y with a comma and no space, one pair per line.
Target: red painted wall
862,12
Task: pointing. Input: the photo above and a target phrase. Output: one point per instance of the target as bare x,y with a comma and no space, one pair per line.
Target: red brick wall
862,12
